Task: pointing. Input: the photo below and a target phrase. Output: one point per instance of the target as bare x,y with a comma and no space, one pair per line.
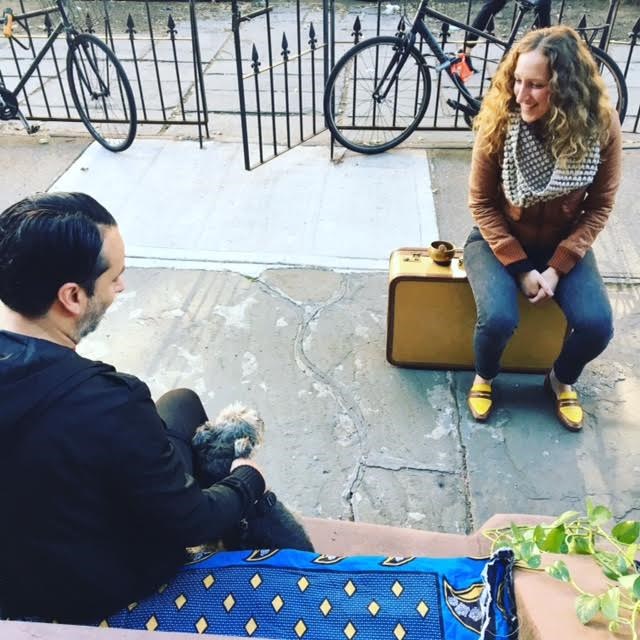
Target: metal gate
281,79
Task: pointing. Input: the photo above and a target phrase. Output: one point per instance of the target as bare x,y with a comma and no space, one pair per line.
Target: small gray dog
235,433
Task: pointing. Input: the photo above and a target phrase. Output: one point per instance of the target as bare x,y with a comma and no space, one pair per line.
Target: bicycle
378,92
99,86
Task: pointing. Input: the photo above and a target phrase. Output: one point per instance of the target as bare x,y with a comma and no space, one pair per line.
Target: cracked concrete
348,435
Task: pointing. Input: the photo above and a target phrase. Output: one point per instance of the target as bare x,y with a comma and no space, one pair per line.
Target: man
96,489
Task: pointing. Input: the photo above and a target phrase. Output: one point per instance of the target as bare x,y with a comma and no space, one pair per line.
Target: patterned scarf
298,595
530,174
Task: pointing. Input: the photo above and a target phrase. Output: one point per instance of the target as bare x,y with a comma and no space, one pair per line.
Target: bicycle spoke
374,104
101,92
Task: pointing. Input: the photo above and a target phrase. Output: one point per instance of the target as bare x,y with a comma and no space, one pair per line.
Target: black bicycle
99,86
378,92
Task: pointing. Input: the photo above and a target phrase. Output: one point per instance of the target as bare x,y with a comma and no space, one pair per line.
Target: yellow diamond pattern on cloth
397,589
350,588
277,603
256,581
202,625
422,608
300,628
303,583
229,602
399,632
251,626
374,608
180,601
132,606
152,624
325,607
350,631
104,624
208,581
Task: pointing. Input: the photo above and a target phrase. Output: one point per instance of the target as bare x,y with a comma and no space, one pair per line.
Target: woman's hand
551,277
534,286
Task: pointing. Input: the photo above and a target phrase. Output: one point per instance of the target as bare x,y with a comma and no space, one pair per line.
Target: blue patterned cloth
296,594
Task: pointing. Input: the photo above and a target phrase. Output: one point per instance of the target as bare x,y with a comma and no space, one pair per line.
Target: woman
545,170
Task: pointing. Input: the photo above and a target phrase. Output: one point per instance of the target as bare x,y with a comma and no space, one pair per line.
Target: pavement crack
347,404
353,482
408,467
466,488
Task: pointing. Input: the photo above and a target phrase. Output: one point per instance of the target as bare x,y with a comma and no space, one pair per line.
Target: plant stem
582,592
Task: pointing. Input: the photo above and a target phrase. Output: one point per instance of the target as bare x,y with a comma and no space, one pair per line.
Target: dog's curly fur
236,433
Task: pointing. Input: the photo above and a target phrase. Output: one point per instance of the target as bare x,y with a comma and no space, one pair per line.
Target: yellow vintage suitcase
432,315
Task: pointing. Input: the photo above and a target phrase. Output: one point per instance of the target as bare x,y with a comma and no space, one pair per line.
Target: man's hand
535,287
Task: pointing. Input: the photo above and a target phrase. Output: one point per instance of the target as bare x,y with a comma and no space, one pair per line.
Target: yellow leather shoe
480,401
568,407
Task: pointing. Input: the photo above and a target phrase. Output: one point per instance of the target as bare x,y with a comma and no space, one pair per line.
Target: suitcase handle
419,253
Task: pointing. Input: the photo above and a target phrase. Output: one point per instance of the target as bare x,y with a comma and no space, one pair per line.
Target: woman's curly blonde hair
580,110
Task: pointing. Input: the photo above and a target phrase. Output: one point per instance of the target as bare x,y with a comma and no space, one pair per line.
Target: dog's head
237,431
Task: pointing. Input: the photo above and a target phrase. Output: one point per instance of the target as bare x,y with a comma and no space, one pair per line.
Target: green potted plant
613,549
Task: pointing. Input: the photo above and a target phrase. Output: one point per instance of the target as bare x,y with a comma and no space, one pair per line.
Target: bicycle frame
63,25
419,27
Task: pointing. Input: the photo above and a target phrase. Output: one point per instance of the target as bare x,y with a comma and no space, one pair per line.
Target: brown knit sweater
567,225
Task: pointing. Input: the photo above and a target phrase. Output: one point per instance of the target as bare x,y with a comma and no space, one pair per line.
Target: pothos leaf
632,583
559,571
567,516
587,607
600,515
626,532
555,542
610,603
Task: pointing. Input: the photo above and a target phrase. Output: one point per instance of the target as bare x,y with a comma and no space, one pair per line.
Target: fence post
235,27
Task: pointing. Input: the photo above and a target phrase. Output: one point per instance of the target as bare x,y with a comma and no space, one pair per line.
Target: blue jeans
581,295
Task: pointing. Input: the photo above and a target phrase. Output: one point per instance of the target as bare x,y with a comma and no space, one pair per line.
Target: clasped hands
538,286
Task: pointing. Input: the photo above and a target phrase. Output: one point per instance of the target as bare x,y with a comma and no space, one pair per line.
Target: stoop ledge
545,606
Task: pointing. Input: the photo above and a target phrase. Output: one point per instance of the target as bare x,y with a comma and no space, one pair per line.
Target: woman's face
531,85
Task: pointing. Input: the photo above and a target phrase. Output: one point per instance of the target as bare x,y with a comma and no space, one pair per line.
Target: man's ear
72,298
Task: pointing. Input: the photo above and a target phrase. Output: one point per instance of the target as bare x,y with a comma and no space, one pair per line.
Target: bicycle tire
361,123
613,79
101,92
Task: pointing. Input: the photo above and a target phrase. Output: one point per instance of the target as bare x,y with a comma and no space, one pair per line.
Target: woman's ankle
480,380
556,385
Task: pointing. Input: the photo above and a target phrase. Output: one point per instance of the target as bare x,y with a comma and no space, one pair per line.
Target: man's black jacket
95,506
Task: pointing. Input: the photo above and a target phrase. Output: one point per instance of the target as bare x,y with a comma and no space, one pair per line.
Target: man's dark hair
45,241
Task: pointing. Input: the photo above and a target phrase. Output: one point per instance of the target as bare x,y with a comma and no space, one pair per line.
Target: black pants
183,413
491,7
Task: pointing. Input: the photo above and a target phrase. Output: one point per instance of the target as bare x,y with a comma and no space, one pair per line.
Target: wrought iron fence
267,72
159,50
387,19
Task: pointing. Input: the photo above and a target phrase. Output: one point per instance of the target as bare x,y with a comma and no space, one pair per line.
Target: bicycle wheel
360,121
614,80
101,92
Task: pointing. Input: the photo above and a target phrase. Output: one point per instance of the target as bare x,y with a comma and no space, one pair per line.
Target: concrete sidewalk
348,435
